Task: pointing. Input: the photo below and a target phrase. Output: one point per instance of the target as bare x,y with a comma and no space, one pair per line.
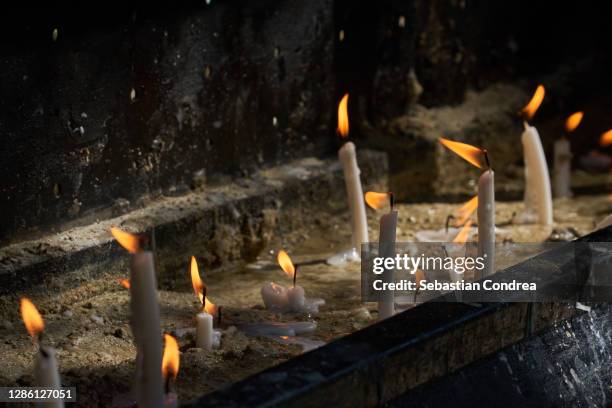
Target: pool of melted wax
89,324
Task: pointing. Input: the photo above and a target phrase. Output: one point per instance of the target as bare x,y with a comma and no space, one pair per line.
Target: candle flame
196,282
464,212
467,152
376,200
171,359
606,138
343,120
128,241
124,282
33,321
463,234
285,263
210,307
572,121
536,100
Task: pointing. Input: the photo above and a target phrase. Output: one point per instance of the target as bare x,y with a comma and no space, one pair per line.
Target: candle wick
448,220
525,124
219,316
167,384
391,199
486,156
295,275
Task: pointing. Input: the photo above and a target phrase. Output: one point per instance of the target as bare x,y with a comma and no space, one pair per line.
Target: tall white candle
562,168
359,224
348,159
145,323
386,248
538,196
204,331
46,373
486,220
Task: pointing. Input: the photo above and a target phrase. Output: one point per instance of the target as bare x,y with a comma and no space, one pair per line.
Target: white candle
562,168
386,248
204,331
274,296
46,373
538,197
359,224
145,323
486,221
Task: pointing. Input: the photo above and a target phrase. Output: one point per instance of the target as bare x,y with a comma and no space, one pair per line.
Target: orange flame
606,139
343,120
210,307
171,359
376,200
572,121
467,152
464,212
536,100
33,321
285,263
463,235
196,282
124,282
128,241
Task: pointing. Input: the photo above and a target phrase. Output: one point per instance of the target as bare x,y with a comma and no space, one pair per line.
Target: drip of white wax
145,323
359,224
204,331
386,249
46,373
538,197
562,168
486,221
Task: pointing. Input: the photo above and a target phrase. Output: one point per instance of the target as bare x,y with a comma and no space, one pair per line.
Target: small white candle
274,296
386,248
204,331
486,221
286,299
348,159
46,372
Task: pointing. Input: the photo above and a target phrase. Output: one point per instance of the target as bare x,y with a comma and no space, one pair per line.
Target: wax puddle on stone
344,257
278,328
191,331
306,343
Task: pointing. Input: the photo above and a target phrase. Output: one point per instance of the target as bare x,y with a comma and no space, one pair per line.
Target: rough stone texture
225,225
217,90
569,365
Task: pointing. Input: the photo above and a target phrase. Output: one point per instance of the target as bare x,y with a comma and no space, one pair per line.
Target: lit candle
386,248
204,320
170,368
538,196
348,159
486,201
285,299
144,321
563,158
46,372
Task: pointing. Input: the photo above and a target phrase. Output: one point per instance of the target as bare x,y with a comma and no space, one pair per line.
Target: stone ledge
226,224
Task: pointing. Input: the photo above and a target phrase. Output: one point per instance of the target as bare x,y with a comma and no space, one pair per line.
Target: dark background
210,79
